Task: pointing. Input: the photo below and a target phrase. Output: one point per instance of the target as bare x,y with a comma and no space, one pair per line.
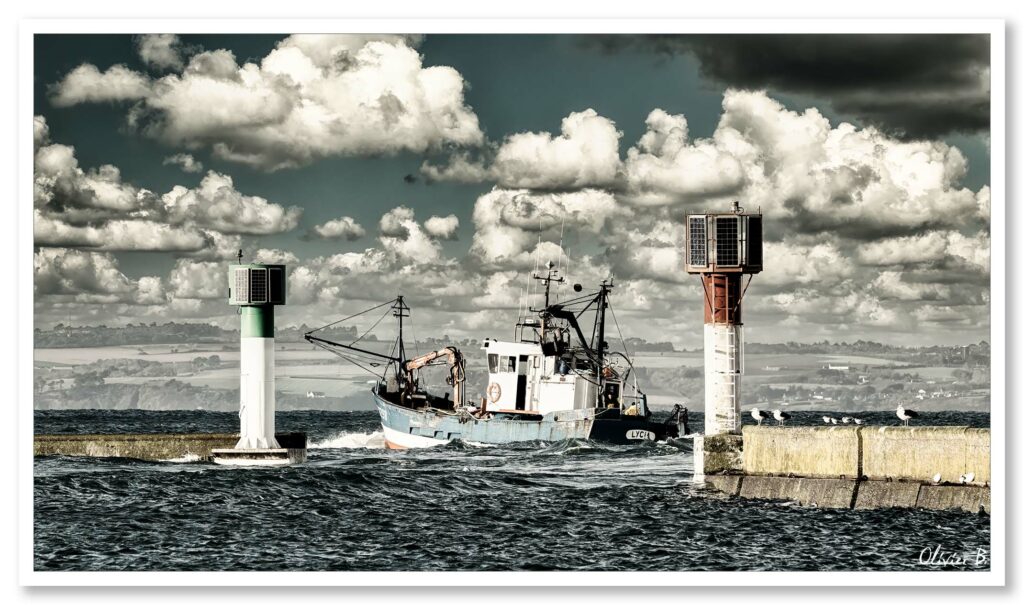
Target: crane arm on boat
456,368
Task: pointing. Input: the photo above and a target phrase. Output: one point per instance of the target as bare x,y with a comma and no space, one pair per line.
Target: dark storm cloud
909,85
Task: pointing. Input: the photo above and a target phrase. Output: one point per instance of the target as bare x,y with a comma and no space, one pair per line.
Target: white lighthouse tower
722,247
256,289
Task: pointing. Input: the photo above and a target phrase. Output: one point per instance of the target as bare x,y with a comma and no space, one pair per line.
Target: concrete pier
147,446
851,467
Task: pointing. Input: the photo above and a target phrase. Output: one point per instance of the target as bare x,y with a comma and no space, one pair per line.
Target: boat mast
602,305
547,296
401,311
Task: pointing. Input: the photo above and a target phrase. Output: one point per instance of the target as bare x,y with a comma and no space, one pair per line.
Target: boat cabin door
521,383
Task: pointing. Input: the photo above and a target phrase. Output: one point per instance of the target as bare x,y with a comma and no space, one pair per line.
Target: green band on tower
258,321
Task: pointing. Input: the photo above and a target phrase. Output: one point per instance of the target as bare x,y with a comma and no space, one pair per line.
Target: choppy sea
569,505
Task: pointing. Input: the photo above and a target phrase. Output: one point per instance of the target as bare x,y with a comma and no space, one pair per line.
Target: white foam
351,441
186,459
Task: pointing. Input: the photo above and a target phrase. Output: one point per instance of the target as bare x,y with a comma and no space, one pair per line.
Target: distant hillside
62,336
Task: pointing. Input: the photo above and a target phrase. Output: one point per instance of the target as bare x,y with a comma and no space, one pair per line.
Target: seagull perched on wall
847,420
758,415
827,419
858,421
967,478
780,416
905,415
833,421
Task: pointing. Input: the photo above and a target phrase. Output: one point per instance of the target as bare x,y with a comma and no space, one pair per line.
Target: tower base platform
282,456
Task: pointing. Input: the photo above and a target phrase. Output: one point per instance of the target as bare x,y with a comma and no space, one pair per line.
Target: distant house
314,395
830,366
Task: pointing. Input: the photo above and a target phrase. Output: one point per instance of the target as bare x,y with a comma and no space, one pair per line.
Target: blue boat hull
427,427
407,428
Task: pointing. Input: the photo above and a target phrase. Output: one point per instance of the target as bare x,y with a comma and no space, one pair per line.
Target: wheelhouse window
510,364
492,363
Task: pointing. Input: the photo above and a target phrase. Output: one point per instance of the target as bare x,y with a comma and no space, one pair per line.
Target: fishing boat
551,382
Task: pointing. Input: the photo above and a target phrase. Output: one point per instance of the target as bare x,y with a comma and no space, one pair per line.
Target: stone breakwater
148,446
852,467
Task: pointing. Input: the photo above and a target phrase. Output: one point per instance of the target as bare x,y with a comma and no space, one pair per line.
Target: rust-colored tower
722,247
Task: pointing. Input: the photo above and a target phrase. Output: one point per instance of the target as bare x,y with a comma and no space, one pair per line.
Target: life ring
494,392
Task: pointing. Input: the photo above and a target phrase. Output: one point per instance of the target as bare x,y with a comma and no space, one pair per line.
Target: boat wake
350,440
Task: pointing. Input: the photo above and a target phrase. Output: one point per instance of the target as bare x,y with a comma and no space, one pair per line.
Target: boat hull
405,428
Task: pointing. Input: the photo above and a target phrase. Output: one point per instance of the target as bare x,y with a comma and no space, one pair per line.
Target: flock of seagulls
845,420
781,417
964,478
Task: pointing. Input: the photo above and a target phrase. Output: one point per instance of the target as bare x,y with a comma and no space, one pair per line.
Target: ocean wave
350,440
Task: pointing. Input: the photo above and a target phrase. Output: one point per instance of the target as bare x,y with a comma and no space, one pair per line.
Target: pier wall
851,467
145,446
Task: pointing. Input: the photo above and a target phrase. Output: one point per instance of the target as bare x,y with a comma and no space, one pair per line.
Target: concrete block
886,494
825,493
722,454
727,484
947,497
824,452
919,453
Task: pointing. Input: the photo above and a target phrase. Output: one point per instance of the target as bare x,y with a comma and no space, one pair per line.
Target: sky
447,167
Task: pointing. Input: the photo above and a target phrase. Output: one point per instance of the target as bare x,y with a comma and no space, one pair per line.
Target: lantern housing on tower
256,284
726,242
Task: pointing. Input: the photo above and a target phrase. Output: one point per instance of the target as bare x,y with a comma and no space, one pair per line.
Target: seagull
858,420
905,415
780,416
937,478
758,415
846,419
827,419
833,421
967,478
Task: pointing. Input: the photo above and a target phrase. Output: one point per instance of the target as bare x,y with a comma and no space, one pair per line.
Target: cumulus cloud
90,277
814,178
216,204
185,161
313,96
586,154
340,228
666,168
201,280
274,256
791,264
442,227
97,209
930,247
162,51
40,131
509,223
87,84
890,284
403,237
119,235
